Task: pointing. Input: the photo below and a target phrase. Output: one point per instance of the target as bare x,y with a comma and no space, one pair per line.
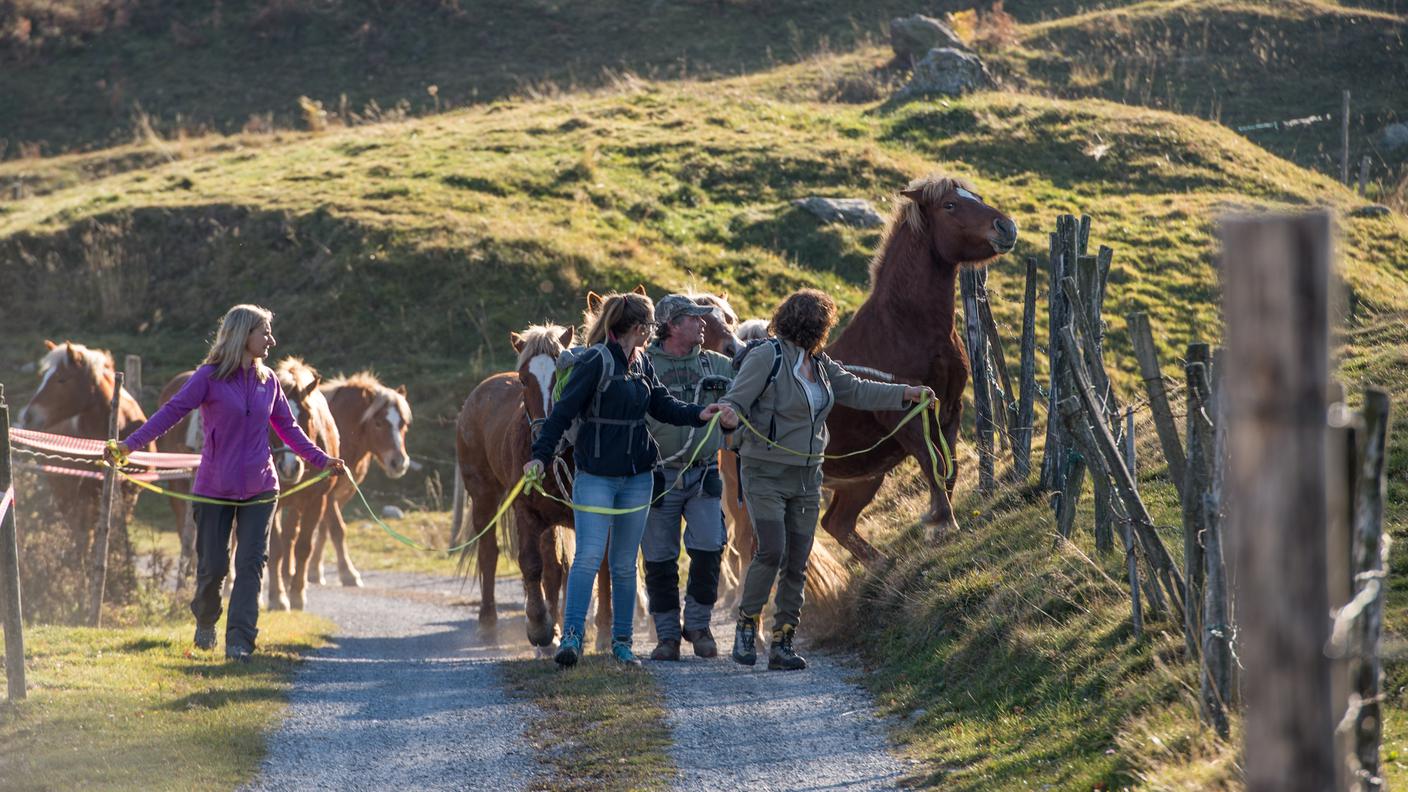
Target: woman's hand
917,393
727,416
122,450
533,469
336,465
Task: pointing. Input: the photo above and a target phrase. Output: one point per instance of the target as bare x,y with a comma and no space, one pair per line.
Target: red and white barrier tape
164,475
86,447
6,500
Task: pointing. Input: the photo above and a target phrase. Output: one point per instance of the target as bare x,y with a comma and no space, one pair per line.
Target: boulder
392,512
1371,210
948,72
856,212
913,36
1394,136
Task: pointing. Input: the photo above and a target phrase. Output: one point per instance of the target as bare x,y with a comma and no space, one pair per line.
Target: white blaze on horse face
397,460
542,368
32,416
962,193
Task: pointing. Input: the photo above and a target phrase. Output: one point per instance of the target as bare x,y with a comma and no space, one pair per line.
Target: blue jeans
593,530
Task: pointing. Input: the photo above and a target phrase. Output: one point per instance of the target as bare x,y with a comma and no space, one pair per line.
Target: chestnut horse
906,327
75,398
291,543
493,441
372,421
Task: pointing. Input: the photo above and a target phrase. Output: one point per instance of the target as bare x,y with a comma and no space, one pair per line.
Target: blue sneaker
570,648
621,650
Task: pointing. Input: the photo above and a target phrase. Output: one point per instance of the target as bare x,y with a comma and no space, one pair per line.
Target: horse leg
186,531
603,605
848,498
552,573
940,517
740,530
319,538
488,551
278,551
337,530
300,550
530,562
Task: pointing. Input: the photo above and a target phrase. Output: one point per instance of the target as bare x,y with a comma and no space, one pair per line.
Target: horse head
960,227
299,382
73,378
538,347
719,324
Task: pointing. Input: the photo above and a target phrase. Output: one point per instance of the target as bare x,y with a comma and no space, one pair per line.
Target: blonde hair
617,314
227,351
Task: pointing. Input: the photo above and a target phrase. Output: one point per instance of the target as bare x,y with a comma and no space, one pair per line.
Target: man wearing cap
695,489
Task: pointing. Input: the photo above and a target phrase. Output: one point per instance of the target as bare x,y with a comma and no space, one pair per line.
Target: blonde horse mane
294,373
752,330
720,302
540,339
98,361
381,395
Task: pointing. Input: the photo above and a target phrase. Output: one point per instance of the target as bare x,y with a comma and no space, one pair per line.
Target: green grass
600,725
138,708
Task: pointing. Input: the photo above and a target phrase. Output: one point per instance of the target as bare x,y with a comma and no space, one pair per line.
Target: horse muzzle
1004,237
289,466
396,466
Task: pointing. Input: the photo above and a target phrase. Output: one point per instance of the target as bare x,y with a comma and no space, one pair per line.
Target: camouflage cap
673,306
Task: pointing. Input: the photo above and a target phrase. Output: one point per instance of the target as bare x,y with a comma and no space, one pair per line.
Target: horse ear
594,301
639,289
516,340
401,389
914,195
566,338
73,354
308,390
49,345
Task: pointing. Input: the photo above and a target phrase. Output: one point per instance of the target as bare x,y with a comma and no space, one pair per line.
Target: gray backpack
566,364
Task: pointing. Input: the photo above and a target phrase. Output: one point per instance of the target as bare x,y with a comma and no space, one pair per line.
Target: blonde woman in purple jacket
239,399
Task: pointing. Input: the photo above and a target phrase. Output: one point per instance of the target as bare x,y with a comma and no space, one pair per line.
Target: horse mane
752,330
540,340
380,394
294,373
907,222
715,301
98,361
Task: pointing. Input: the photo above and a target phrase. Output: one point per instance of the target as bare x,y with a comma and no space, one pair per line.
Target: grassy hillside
1241,62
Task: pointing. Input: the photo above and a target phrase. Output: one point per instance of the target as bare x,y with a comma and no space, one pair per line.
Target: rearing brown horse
906,328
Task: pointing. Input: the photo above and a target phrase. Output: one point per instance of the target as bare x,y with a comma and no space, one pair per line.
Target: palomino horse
372,420
291,544
75,398
906,327
187,436
494,436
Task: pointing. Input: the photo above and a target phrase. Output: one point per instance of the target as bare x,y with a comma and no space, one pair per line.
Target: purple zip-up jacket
236,413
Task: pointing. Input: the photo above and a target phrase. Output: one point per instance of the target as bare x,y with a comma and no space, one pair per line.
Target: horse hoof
545,652
540,634
488,620
603,643
297,601
315,576
279,603
351,579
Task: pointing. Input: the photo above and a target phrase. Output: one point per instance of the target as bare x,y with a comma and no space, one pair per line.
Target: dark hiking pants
784,502
250,523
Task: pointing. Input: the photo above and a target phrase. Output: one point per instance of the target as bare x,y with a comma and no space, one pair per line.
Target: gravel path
407,696
749,728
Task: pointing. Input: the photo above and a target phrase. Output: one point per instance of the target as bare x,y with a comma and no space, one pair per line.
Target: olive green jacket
681,374
782,411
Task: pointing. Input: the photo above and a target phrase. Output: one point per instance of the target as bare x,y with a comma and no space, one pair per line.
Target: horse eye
949,206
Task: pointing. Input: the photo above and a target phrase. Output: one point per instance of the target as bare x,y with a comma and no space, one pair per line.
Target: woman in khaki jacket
786,388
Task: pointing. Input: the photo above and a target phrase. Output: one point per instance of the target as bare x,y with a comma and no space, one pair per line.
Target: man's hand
533,469
917,393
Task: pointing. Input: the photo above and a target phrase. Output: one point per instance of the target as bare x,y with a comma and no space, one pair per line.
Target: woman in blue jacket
615,457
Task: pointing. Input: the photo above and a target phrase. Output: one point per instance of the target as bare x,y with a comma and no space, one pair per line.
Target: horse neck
913,292
354,447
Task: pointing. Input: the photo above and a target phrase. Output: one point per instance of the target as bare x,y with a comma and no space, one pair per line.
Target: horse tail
827,581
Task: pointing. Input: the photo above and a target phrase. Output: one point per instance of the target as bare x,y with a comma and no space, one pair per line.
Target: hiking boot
569,650
667,649
621,650
205,637
780,655
239,654
703,641
745,637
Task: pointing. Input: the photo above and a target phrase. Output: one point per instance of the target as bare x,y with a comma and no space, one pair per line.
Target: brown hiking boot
781,656
703,642
668,649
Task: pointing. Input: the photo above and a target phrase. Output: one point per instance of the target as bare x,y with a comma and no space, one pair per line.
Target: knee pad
703,585
662,586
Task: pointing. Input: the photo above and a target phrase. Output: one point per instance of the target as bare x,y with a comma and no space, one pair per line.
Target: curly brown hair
805,318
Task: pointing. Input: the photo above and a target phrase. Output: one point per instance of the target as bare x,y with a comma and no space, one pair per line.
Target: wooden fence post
1344,139
1370,559
10,611
1006,407
1196,486
1053,457
971,288
99,564
132,371
1276,274
1142,337
1026,397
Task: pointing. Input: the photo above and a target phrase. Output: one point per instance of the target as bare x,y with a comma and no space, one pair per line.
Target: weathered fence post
1054,457
972,288
1370,558
1344,140
10,565
457,515
1364,164
1142,337
1022,437
1006,407
132,371
99,564
1219,691
1195,488
1276,273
